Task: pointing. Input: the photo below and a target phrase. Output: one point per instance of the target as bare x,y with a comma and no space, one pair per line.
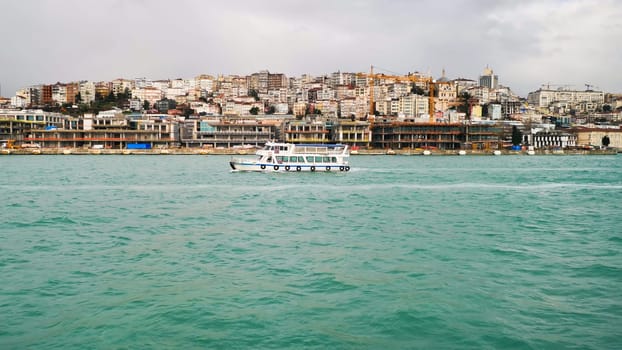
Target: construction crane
412,78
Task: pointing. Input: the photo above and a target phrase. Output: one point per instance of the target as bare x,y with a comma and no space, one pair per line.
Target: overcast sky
527,43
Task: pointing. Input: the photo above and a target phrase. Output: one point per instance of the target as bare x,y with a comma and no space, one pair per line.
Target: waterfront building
407,134
592,137
482,135
351,132
18,124
309,130
110,131
227,133
553,139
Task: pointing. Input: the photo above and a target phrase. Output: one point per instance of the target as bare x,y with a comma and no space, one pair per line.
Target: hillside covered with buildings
368,110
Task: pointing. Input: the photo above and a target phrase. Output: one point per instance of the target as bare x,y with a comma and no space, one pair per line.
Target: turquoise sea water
177,252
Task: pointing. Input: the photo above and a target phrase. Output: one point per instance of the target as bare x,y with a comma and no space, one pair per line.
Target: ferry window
310,159
326,159
279,159
269,160
301,159
333,159
318,159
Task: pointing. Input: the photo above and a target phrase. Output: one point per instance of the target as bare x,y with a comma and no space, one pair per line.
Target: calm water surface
124,252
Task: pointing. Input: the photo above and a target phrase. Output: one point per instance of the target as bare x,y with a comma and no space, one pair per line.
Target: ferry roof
307,144
320,144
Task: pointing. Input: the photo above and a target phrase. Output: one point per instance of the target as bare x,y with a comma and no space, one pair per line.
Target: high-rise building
488,79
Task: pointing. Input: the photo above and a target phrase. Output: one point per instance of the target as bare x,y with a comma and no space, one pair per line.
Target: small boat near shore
284,157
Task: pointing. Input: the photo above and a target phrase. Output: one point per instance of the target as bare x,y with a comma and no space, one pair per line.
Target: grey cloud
526,43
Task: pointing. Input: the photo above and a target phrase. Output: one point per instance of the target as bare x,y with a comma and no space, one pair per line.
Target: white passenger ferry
295,157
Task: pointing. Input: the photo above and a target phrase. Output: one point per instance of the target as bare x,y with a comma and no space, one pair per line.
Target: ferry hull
294,167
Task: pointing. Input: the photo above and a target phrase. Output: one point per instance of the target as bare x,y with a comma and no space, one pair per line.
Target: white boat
283,157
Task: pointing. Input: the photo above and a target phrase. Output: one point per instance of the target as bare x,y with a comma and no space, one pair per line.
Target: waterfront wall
232,151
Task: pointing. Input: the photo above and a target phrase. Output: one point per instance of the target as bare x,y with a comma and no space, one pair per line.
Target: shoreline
205,152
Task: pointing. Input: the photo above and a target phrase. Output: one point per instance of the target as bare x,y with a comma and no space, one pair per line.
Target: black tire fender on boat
298,168
263,166
312,168
341,168
287,168
347,168
328,168
276,167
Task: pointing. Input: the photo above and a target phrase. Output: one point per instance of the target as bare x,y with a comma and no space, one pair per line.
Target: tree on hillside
465,104
253,93
111,97
254,110
414,89
605,141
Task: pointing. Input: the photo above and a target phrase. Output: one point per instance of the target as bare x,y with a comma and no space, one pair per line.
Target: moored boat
283,157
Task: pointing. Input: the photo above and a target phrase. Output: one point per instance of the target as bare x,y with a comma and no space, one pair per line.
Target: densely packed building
363,109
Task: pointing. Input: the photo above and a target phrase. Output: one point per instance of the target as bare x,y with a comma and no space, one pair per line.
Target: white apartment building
206,83
149,93
232,107
326,93
87,91
344,91
413,106
59,93
329,108
172,93
562,99
119,85
347,107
